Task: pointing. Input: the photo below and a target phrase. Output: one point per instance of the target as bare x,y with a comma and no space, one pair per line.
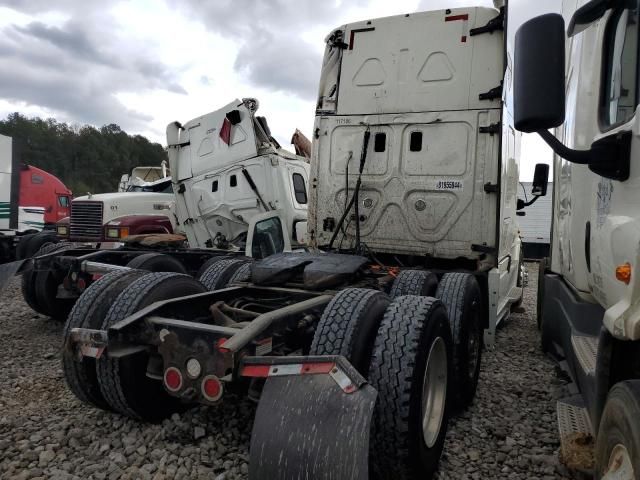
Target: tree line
85,158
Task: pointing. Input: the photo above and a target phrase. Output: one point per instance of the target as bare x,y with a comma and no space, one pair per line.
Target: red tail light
211,388
172,379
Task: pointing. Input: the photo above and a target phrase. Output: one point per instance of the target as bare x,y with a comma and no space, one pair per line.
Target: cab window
299,189
620,75
64,202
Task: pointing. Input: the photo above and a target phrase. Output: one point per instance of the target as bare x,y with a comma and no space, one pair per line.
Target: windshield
164,187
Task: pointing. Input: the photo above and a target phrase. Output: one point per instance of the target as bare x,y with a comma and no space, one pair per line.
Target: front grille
86,220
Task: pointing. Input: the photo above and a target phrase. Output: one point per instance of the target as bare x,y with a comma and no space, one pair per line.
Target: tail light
173,379
211,388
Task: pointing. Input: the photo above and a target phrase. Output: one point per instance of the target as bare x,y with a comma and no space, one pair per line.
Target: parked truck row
214,192
359,328
31,200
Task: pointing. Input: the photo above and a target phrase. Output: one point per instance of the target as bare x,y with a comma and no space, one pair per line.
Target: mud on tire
461,295
89,312
412,328
414,282
349,325
123,381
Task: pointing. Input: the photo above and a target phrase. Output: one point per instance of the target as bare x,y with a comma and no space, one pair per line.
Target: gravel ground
509,432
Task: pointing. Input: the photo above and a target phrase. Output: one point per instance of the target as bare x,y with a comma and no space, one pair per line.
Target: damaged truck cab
227,169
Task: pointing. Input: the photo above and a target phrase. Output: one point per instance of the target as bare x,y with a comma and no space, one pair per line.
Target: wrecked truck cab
227,168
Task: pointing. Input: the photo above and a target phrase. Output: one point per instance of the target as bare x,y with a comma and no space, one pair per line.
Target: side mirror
266,236
538,78
540,180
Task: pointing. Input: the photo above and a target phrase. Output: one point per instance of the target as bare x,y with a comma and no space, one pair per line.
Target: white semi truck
582,81
413,253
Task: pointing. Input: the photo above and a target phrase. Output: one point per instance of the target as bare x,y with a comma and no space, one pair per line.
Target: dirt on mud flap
313,419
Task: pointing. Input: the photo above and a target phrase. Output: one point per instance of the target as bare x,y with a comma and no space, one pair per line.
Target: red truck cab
41,189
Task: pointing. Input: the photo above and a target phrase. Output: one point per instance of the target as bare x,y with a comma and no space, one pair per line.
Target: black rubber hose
363,158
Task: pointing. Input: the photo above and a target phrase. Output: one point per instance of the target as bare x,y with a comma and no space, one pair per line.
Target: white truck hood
133,203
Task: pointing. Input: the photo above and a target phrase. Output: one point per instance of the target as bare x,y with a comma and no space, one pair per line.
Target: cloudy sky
144,63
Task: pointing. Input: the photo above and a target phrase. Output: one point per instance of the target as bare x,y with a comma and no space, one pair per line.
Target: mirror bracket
587,14
609,157
496,23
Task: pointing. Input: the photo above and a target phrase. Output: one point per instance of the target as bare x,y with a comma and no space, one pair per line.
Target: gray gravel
509,432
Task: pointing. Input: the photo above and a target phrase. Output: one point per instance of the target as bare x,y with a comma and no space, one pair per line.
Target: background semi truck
413,254
218,189
588,309
30,201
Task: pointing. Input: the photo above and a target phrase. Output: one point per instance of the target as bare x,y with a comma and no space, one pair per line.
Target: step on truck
217,188
582,81
359,347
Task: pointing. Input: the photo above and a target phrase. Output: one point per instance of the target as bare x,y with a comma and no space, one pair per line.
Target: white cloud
129,60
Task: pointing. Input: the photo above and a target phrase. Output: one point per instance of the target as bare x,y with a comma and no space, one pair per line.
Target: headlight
113,233
62,230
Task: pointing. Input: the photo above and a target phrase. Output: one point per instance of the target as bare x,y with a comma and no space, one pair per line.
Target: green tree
85,158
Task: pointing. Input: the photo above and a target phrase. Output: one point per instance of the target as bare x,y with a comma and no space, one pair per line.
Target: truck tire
461,295
29,279
21,248
542,266
89,312
349,325
123,381
519,283
242,274
218,275
37,241
410,369
414,282
157,262
204,267
46,284
617,449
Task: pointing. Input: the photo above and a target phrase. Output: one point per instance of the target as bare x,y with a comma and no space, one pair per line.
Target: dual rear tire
403,347
40,287
461,296
122,384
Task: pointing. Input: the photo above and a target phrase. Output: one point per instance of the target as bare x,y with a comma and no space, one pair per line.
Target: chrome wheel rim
620,466
434,392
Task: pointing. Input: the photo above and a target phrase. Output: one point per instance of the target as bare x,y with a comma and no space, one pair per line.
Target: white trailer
583,82
535,225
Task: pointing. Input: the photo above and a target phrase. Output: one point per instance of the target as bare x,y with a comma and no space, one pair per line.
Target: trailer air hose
356,191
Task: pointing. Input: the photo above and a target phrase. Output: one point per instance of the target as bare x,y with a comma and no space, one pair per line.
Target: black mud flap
8,270
313,419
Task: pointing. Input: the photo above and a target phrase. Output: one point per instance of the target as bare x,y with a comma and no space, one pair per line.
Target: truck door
609,234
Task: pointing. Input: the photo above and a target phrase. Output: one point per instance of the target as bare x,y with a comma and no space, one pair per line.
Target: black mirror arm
520,204
582,157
